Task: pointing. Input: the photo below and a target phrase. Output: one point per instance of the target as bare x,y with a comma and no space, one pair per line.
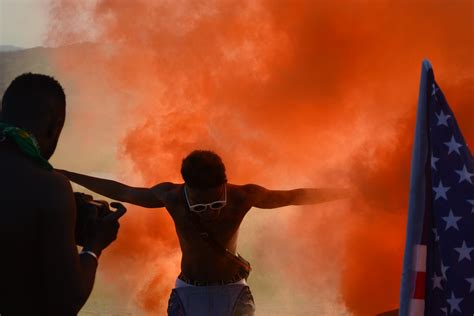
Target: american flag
438,273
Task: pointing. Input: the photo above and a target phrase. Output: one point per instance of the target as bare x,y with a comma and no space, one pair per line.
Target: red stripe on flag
420,285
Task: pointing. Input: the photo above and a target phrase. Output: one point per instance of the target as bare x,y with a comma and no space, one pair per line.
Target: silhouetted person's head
37,104
203,169
204,174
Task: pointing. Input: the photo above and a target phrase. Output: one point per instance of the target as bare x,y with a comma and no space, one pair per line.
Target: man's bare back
21,187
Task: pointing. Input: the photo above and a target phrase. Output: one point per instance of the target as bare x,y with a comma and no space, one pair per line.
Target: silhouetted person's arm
261,197
146,197
68,277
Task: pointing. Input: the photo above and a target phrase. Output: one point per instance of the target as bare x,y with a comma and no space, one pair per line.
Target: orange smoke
305,93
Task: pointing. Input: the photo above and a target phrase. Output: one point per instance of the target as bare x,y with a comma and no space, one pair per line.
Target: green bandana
25,141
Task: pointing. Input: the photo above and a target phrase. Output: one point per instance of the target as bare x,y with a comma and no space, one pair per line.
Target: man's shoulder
47,192
52,181
242,188
55,189
247,194
240,192
166,187
30,179
166,190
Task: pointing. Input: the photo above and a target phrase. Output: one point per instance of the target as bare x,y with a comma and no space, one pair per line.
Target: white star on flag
451,220
441,191
472,203
443,271
464,175
433,161
464,251
437,281
433,92
454,303
442,118
453,146
471,281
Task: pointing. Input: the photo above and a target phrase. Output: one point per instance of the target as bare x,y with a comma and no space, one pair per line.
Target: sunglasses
199,208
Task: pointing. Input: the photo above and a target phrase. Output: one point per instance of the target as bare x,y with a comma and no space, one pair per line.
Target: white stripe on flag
417,307
420,258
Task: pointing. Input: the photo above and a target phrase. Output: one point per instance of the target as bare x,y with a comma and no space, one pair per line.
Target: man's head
203,169
37,104
204,174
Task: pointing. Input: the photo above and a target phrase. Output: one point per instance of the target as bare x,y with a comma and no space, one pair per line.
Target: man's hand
105,229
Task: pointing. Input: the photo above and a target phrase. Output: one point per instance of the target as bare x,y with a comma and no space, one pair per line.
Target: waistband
243,275
181,284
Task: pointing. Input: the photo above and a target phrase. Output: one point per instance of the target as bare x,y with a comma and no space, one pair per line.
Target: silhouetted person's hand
103,230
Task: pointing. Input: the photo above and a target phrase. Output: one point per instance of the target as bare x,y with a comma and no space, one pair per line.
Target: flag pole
414,254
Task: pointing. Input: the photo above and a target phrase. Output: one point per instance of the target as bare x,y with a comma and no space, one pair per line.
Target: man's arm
144,197
68,277
261,197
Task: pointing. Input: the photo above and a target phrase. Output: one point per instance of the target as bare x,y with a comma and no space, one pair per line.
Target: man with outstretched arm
207,212
41,272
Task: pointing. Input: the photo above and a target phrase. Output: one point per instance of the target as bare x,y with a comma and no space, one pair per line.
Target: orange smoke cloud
289,94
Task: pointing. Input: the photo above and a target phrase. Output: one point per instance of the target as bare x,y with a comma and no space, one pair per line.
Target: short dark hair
203,169
32,97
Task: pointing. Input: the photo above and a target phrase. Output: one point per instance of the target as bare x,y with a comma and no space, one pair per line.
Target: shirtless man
41,272
211,281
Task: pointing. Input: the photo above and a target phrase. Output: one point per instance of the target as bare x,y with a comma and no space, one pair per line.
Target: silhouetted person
41,272
212,279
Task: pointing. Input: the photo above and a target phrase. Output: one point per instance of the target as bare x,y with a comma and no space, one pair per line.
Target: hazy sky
23,22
